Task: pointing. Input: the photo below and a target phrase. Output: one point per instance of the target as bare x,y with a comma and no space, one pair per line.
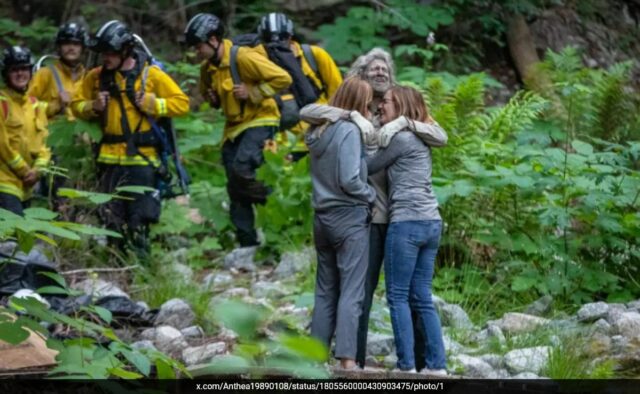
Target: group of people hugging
371,168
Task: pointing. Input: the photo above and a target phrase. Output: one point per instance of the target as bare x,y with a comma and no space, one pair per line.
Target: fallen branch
89,270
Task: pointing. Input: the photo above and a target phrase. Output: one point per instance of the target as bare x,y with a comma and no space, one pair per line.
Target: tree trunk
523,52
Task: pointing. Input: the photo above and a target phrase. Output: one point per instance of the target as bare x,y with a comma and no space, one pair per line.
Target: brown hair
410,103
354,94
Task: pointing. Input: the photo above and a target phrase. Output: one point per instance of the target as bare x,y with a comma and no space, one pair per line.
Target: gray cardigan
408,163
338,168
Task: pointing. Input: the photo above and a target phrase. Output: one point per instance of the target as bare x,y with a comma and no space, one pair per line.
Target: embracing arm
349,177
384,157
428,132
321,113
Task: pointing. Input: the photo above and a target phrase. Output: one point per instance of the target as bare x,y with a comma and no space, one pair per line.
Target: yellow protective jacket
170,101
328,81
44,87
263,79
23,135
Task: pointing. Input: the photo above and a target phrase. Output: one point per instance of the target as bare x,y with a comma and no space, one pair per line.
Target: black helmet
16,56
112,36
71,32
275,26
201,27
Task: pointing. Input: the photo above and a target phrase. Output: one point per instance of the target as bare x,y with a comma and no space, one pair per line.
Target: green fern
613,103
518,114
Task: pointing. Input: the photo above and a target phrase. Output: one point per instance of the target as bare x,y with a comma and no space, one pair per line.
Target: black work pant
13,204
377,237
130,217
241,157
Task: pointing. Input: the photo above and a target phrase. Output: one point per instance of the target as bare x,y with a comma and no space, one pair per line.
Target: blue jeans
410,253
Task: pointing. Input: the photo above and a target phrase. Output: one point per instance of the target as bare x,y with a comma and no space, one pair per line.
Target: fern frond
436,92
516,115
468,96
613,104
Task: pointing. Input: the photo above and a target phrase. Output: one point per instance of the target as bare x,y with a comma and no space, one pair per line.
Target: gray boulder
143,345
619,344
634,306
99,288
215,280
380,344
492,332
236,292
518,323
602,327
176,313
192,332
292,263
615,312
628,325
264,289
540,307
451,346
203,354
495,360
593,311
166,338
454,316
527,360
475,367
241,259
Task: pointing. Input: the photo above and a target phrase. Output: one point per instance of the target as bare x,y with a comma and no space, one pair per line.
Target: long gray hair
359,67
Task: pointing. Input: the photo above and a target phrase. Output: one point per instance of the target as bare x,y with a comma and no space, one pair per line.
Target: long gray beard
380,87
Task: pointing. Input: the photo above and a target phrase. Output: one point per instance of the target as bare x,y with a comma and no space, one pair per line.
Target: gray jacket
431,134
338,168
408,164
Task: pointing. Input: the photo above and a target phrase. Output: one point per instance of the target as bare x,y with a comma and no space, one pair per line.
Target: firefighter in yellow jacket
252,115
23,132
126,94
316,63
57,83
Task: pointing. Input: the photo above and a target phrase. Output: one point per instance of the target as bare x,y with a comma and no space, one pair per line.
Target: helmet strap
214,58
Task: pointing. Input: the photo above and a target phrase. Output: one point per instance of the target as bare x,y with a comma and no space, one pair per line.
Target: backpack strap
310,57
56,77
235,74
233,64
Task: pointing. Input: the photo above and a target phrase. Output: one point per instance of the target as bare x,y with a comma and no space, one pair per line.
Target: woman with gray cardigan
341,200
413,235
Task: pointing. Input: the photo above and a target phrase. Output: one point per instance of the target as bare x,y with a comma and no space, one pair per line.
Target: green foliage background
539,195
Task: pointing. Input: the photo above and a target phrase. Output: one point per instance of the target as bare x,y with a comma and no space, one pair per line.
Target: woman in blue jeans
414,231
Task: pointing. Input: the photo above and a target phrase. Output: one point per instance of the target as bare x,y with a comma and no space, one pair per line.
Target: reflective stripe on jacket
263,79
170,101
